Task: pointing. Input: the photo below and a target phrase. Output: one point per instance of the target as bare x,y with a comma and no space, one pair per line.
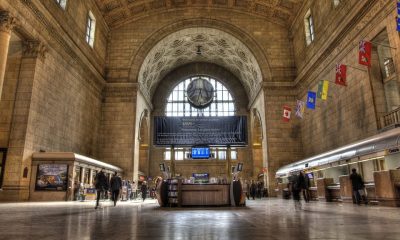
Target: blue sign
311,99
200,152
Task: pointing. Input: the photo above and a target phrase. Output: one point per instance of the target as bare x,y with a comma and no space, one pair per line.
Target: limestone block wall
284,139
118,114
10,85
349,113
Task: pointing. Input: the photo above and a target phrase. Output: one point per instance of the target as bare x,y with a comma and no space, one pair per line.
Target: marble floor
260,219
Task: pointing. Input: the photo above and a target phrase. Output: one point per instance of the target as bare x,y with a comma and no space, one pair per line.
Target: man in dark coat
101,184
253,189
357,184
116,186
143,189
295,187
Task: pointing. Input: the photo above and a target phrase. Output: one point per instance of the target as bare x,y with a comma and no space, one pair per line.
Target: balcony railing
390,119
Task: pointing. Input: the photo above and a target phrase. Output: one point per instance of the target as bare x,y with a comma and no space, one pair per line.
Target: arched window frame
178,105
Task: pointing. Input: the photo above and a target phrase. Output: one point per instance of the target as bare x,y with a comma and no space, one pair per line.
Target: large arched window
179,106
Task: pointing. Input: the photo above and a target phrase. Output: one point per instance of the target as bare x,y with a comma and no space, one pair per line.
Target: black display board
189,131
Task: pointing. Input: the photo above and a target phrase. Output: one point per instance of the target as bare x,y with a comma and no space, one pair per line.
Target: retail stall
65,176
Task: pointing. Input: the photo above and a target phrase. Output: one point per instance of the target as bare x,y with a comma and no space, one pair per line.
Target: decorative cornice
7,22
34,49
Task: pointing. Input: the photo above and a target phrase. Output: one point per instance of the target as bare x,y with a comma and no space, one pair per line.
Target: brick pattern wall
348,115
8,95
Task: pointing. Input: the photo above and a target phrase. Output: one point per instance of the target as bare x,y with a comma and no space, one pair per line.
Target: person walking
294,186
116,186
357,184
304,183
143,189
101,184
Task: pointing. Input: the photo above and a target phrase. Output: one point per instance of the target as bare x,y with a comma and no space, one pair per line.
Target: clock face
200,93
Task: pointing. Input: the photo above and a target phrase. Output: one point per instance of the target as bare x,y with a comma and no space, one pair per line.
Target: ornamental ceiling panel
278,11
199,45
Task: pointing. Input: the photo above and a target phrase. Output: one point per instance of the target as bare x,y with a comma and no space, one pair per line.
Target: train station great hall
197,99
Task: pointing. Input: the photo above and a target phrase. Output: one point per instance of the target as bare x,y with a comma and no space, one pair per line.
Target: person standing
253,189
246,189
116,185
101,184
143,189
357,184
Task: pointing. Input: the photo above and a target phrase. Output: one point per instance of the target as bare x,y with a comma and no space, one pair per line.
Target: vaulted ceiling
117,12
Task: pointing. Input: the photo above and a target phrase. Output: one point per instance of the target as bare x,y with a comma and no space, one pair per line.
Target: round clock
200,93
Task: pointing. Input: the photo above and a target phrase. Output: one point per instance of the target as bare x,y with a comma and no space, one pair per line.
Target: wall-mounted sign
189,131
52,177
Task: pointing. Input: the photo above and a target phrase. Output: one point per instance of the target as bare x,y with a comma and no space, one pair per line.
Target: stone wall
348,114
10,85
57,91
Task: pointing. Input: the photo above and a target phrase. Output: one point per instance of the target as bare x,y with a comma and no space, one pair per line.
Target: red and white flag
364,53
341,74
287,111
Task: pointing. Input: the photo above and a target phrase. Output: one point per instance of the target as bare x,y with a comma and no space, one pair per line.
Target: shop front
65,176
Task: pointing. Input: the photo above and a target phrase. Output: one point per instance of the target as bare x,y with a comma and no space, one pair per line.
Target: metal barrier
390,119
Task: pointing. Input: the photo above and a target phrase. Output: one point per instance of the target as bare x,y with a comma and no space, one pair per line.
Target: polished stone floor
261,219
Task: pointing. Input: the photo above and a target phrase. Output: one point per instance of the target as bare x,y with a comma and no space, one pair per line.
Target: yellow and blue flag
322,92
311,100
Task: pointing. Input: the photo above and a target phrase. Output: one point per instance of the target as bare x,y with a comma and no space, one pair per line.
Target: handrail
389,119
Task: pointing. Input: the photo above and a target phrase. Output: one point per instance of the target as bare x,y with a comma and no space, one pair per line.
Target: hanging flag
341,74
398,15
286,113
322,92
364,53
311,99
300,108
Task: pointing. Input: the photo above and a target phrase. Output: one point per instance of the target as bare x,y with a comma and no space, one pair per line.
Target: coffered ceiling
200,45
117,12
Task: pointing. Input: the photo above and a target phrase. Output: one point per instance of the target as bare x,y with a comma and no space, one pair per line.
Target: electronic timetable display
200,152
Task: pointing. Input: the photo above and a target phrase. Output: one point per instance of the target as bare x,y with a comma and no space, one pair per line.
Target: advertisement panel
52,177
189,131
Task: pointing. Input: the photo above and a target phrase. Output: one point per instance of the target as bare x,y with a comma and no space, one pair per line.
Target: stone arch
255,49
168,83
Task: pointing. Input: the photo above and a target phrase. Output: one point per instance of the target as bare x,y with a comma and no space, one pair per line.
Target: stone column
20,148
7,23
228,164
172,161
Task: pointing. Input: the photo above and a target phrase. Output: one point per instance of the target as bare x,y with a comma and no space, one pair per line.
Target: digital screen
200,177
201,152
310,175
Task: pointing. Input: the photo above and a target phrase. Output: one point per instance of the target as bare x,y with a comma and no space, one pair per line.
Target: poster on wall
52,177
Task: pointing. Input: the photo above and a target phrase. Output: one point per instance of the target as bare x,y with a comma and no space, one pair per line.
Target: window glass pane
179,105
221,155
167,155
233,154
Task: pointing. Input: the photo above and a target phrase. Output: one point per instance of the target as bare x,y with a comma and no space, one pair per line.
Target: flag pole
357,68
373,98
383,45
